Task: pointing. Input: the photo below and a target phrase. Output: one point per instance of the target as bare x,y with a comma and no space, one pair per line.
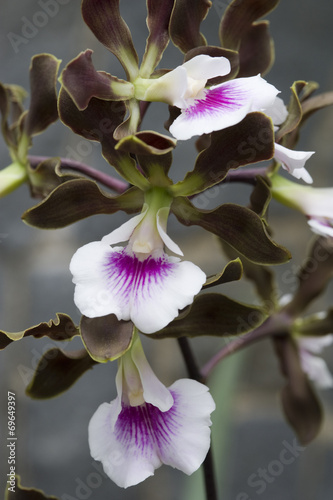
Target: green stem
115,184
11,178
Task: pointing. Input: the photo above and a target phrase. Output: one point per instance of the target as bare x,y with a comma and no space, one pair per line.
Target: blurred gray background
249,431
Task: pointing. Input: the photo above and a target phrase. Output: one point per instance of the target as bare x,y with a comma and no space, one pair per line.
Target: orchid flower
292,161
313,365
148,425
204,110
138,282
315,203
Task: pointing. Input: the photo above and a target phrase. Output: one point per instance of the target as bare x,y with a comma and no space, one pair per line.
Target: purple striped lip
228,98
127,273
147,427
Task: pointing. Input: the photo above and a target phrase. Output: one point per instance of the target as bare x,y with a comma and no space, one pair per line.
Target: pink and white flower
204,110
315,203
138,282
314,366
148,425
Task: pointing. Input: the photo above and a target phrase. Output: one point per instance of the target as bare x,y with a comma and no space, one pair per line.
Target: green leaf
250,141
104,19
299,401
43,104
83,82
233,271
61,328
57,371
215,315
238,19
22,493
186,19
240,227
77,199
106,338
158,24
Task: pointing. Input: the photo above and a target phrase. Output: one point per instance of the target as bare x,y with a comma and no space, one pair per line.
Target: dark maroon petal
147,142
238,18
57,371
46,176
240,227
106,338
216,315
158,24
22,493
104,19
43,104
314,276
250,141
62,328
98,123
186,19
256,52
83,82
299,401
77,199
233,271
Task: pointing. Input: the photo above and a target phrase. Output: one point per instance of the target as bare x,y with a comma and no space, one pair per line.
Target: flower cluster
136,281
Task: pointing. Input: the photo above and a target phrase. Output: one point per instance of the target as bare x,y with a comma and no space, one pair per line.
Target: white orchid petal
123,232
321,226
154,392
92,295
193,405
160,298
144,437
204,67
150,292
161,218
222,106
277,111
315,344
294,161
169,88
316,369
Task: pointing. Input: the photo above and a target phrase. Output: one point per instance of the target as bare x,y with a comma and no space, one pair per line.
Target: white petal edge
316,369
277,111
169,88
92,295
123,232
205,67
161,219
151,314
294,161
319,228
194,405
154,392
